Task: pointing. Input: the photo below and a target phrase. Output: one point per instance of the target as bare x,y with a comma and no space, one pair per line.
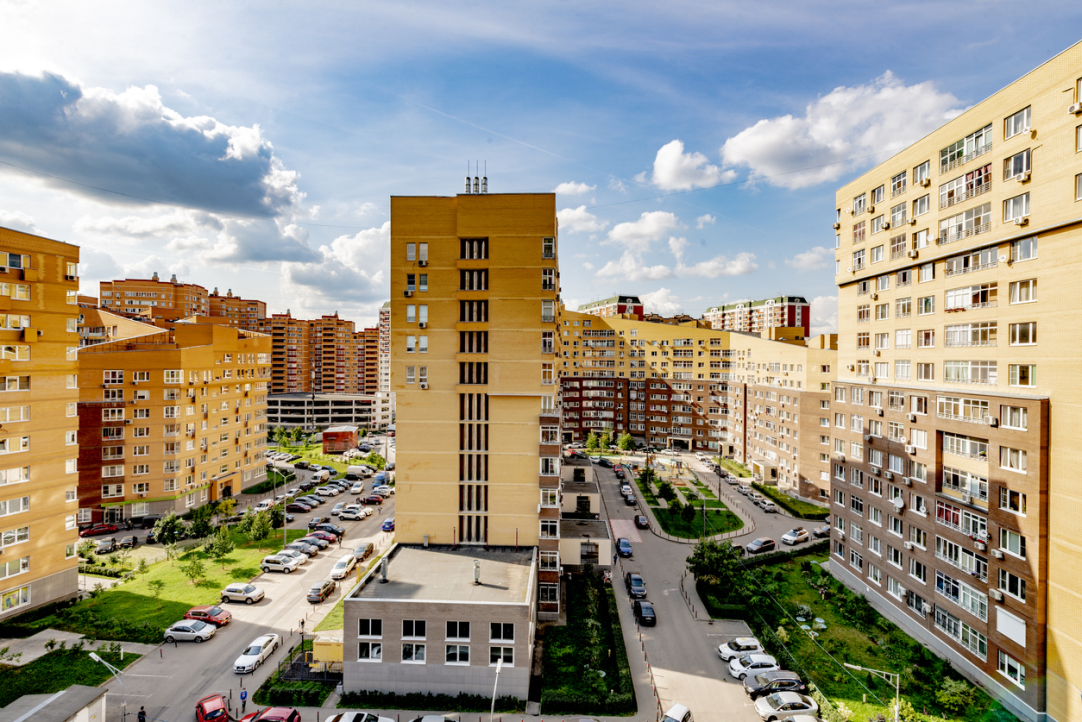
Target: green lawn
644,491
335,618
719,520
57,671
854,633
733,467
796,507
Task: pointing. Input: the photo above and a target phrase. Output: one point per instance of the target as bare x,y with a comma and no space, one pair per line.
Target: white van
321,476
357,472
384,491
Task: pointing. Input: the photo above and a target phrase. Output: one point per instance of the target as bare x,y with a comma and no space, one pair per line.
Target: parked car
148,522
357,717
642,522
783,705
212,708
756,497
99,529
384,491
300,554
189,630
760,545
644,613
256,654
668,452
105,546
363,551
739,647
623,547
354,514
338,508
388,525
210,614
328,491
797,535
821,532
318,593
619,472
317,520
389,466
343,567
247,593
595,459
630,500
636,587
678,713
330,528
606,463
301,465
273,714
276,563
264,505
311,500
314,541
625,488
743,489
298,507
766,683
373,499
357,488
752,664
768,506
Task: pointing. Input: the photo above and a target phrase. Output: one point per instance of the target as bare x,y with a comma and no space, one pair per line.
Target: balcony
965,195
975,153
958,233
971,269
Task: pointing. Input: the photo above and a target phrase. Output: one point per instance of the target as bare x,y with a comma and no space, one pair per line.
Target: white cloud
675,170
630,267
814,259
96,265
588,266
18,221
572,188
580,220
162,266
824,315
740,265
349,271
840,131
638,235
617,185
661,301
141,227
704,220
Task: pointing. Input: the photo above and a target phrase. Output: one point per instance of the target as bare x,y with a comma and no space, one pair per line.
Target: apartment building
385,348
171,421
759,399
956,506
100,326
168,300
39,322
291,370
367,345
758,316
240,312
473,363
614,306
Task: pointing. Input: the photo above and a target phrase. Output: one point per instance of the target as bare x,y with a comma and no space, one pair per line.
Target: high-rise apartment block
385,348
170,421
614,306
956,502
291,370
756,399
368,360
239,312
758,316
154,298
39,367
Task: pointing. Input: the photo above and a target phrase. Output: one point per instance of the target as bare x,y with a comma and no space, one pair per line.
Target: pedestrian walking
243,700
142,714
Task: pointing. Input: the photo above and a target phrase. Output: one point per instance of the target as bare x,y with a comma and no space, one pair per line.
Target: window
926,273
411,344
1024,334
1012,669
922,172
1015,208
174,376
859,204
903,307
917,570
501,632
548,313
969,223
458,630
1012,542
858,232
369,627
877,224
858,260
411,312
548,247
1024,291
901,369
457,654
1023,375
1012,459
878,194
1024,250
1012,501
423,282
549,529
898,215
926,306
411,251
1011,584
920,207
926,338
897,184
413,629
1017,165
877,254
1014,417
1017,123
369,652
504,654
413,653
1078,187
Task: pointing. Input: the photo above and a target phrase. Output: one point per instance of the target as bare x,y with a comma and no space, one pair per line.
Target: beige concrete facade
950,257
38,477
758,316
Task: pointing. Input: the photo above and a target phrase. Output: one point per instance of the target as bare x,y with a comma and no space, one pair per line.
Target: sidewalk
33,648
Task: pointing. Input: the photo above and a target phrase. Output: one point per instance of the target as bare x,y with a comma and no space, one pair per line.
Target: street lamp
116,673
888,676
499,666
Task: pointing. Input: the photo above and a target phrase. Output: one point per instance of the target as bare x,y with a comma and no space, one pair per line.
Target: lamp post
117,674
888,676
499,666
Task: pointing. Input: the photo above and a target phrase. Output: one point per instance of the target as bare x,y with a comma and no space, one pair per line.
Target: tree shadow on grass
243,573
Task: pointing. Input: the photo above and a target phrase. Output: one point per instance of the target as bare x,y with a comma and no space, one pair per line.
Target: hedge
462,702
784,556
787,503
276,692
103,571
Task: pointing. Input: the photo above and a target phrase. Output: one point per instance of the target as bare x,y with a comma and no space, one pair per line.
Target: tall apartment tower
333,356
38,480
290,353
759,316
473,330
154,298
958,509
385,348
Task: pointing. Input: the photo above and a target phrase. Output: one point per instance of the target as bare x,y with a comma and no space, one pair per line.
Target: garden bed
796,507
719,520
733,467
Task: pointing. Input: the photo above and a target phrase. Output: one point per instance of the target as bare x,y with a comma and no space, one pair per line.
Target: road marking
161,676
625,528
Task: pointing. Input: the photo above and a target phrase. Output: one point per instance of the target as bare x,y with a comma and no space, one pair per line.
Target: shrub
462,702
292,694
955,695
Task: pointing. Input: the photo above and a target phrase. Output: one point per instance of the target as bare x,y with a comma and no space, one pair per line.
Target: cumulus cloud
639,235
824,315
630,267
705,220
739,265
142,227
572,188
814,259
97,265
839,131
675,170
131,143
580,220
349,270
155,264
661,301
18,221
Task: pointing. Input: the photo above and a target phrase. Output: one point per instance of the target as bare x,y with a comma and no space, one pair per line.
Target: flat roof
310,396
343,428
445,574
581,487
58,707
584,529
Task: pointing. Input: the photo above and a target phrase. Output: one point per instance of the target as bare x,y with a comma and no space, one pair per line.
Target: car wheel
287,570
249,600
266,570
169,639
741,677
198,640
275,647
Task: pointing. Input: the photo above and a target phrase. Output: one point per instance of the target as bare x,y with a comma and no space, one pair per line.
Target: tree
296,433
172,552
687,512
605,441
277,516
227,508
625,442
156,587
591,442
167,529
665,490
714,562
223,546
954,695
201,527
259,529
246,521
194,569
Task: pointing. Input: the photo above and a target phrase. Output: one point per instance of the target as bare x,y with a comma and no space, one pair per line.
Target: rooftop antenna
484,179
476,178
467,176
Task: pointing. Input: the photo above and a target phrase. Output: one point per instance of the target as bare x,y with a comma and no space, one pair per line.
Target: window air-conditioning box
837,226
981,546
422,324
925,182
886,225
913,254
996,594
908,481
997,553
907,545
876,470
407,294
1023,221
912,221
422,263
1075,108
889,476
424,385
1022,177
841,535
911,417
879,412
868,437
991,420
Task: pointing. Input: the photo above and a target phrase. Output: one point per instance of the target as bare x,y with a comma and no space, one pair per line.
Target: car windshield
214,611
774,701
745,660
340,565
215,714
762,678
198,626
249,589
254,650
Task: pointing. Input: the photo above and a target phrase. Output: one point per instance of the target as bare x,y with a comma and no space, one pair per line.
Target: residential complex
38,480
97,325
757,399
290,353
614,306
384,372
153,298
758,316
170,421
240,312
954,460
311,411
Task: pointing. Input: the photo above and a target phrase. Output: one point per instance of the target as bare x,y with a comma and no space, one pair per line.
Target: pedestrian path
25,651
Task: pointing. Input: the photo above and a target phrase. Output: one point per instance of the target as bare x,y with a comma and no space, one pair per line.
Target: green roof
612,299
753,304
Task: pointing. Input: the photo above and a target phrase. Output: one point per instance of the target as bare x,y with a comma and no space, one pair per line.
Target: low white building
312,411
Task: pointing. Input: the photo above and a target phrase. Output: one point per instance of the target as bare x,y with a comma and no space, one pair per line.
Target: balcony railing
975,153
965,195
971,269
957,233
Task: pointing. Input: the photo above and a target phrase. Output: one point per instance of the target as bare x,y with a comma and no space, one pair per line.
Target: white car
357,488
338,508
264,505
784,706
257,653
292,492
358,717
355,513
795,536
667,452
276,563
301,557
327,491
739,647
343,567
741,667
678,713
247,593
189,630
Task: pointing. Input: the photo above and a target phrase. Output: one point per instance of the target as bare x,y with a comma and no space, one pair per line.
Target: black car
306,485
766,683
149,522
329,527
636,587
605,462
317,520
301,465
644,614
642,522
105,546
761,545
129,542
821,532
619,473
321,591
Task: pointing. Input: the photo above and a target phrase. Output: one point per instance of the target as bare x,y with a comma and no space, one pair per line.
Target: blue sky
695,146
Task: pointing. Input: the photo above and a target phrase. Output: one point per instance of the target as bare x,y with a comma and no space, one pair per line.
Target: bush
462,702
799,509
292,694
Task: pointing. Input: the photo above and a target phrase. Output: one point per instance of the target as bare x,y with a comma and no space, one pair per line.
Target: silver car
247,593
189,630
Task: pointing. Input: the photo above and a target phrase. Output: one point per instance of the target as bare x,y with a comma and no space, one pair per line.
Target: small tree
227,508
143,567
172,551
625,442
591,442
86,549
954,695
167,529
687,512
714,562
666,491
277,516
156,588
259,529
223,546
201,527
194,569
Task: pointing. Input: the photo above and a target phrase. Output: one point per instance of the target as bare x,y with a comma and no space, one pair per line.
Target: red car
374,499
99,529
210,614
212,708
298,507
274,714
324,535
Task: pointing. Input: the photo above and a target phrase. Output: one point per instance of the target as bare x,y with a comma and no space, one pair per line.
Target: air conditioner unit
925,182
71,278
422,263
875,296
876,470
837,226
966,498
868,437
408,294
424,385
849,367
991,420
841,456
1023,221
1022,177
908,481
871,209
889,476
926,608
841,535
907,545
879,412
1075,108
981,546
913,254
877,352
910,449
996,594
141,494
911,417
422,324
997,553
912,221
886,225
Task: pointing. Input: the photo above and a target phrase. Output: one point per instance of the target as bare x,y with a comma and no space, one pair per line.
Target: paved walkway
32,648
